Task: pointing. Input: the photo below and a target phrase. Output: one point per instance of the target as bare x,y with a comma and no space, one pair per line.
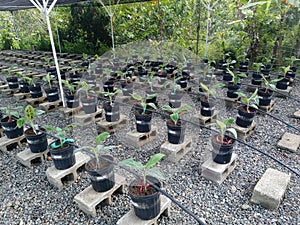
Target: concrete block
244,133
137,139
289,141
36,101
29,159
21,96
297,114
204,120
86,119
270,189
131,219
283,93
218,172
88,199
252,87
69,112
51,106
57,177
5,143
175,152
267,108
231,102
111,127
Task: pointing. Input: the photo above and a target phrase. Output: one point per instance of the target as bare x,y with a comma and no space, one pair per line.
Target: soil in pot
143,121
37,142
264,97
245,117
112,111
146,205
12,82
176,132
89,104
102,179
10,128
62,157
222,150
207,107
52,94
35,91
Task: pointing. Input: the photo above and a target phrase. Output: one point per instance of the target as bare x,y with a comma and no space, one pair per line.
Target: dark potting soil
135,190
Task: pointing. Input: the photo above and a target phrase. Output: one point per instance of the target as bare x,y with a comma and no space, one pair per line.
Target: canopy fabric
12,5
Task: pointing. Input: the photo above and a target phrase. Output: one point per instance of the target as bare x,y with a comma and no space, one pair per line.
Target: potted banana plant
265,93
89,98
12,78
35,136
111,108
222,142
9,122
61,150
143,116
51,91
70,92
247,111
175,95
234,85
176,127
208,102
142,191
100,167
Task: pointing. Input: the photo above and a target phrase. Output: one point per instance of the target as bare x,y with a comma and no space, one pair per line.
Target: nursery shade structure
6,5
45,7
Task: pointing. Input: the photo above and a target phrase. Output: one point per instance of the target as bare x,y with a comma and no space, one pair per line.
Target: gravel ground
28,198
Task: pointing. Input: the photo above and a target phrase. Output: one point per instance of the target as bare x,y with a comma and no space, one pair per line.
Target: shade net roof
11,5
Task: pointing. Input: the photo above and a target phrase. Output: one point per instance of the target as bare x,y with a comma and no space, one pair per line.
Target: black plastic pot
222,153
176,133
24,86
256,78
127,88
37,142
232,88
108,86
226,76
182,82
143,122
72,100
207,107
283,84
104,179
63,158
12,82
35,91
89,105
10,128
175,99
244,118
264,97
91,80
74,77
243,67
145,207
112,112
290,74
52,94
